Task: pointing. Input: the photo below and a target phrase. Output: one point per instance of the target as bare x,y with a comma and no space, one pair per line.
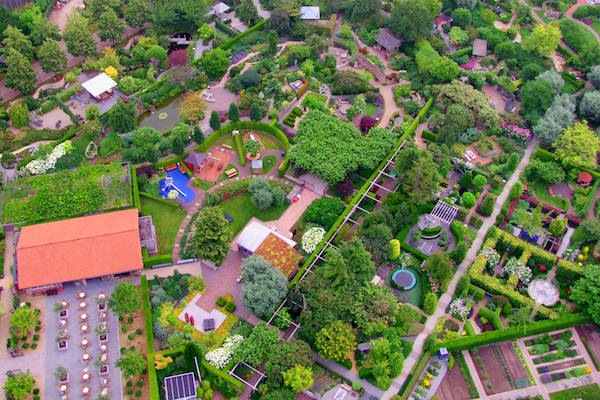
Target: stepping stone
181,231
176,245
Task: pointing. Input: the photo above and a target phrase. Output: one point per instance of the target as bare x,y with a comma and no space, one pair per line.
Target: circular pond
404,278
543,292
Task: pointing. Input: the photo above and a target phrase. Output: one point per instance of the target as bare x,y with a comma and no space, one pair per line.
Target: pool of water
404,278
164,118
180,184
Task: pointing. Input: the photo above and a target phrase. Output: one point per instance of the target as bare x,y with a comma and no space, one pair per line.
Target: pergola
100,86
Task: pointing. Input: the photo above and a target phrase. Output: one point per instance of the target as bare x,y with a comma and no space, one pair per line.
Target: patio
193,312
80,312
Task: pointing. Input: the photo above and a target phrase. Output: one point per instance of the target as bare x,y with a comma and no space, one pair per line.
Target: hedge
152,379
151,261
346,44
428,135
232,388
568,270
66,137
240,148
569,77
492,317
469,328
512,333
407,135
228,44
160,199
591,199
425,108
428,232
137,203
170,160
224,28
413,377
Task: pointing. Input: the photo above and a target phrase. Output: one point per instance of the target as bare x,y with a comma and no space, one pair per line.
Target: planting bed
518,373
591,337
497,377
560,365
454,386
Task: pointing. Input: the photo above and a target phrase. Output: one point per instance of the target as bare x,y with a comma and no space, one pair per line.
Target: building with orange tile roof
77,249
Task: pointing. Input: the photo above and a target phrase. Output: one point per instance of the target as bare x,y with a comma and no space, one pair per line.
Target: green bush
149,262
429,232
487,206
221,301
230,307
19,115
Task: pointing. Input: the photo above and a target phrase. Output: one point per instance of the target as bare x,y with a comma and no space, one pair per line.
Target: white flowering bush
514,266
42,165
312,238
493,258
173,194
459,309
219,357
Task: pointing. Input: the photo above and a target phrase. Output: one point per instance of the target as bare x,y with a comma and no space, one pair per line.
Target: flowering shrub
516,132
312,238
493,258
41,165
459,309
219,357
514,266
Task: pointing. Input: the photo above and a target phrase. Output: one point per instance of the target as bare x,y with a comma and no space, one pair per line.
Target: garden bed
453,386
491,371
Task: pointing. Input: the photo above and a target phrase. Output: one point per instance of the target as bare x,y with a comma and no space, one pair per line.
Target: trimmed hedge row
425,108
428,135
492,317
152,379
240,149
531,328
160,199
469,328
137,203
229,386
346,44
414,376
151,261
229,44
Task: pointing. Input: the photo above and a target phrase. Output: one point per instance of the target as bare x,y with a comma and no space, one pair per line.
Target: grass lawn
224,175
269,161
270,142
582,392
167,221
596,26
227,139
370,110
241,209
541,192
540,14
316,96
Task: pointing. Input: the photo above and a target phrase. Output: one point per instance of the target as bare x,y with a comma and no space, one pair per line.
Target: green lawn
540,13
269,162
224,175
596,26
241,209
167,221
204,185
370,110
582,392
270,142
541,192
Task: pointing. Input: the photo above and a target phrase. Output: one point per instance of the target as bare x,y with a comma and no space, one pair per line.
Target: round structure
404,278
543,292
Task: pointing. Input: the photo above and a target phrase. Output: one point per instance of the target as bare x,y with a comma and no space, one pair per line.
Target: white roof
255,233
99,84
219,8
257,163
310,12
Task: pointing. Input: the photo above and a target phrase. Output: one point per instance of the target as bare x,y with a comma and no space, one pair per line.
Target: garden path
567,239
262,13
419,137
288,219
6,300
471,254
504,27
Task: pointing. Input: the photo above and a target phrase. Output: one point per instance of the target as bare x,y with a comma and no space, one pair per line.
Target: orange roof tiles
283,256
78,248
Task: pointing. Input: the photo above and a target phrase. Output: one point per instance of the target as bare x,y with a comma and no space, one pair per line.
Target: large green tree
298,378
264,286
530,222
283,356
247,12
126,299
579,146
179,15
590,106
586,292
138,12
362,9
215,63
213,235
110,26
536,98
131,364
336,341
80,41
23,320
122,116
411,20
255,347
19,73
440,268
52,58
419,174
42,30
15,39
543,39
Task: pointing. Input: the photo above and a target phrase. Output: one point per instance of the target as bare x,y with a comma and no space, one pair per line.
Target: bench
231,172
171,167
227,146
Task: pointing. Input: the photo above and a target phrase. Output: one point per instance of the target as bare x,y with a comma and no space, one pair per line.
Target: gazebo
100,87
387,41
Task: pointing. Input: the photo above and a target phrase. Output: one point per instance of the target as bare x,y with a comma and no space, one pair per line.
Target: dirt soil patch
592,336
139,342
515,368
493,369
453,387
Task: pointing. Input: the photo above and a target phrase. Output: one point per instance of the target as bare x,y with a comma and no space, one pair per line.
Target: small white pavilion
100,87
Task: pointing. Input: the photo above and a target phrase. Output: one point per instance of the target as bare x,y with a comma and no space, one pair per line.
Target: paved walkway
293,213
370,389
474,374
446,297
262,13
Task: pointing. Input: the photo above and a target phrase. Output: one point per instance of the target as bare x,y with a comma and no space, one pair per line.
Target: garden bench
231,172
227,146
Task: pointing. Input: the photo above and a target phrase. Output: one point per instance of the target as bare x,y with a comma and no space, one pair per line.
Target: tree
43,30
420,177
362,9
586,292
468,199
458,36
255,347
440,268
517,190
262,199
252,146
23,320
256,112
324,211
430,303
479,181
317,44
177,146
137,13
444,70
206,32
594,76
505,50
247,12
52,58
250,78
298,378
234,112
530,223
411,21
125,299
264,286
215,63
272,40
559,116
279,21
18,114
110,26
215,120
558,226
122,116
336,341
177,58
461,17
213,235
19,73
536,97
376,238
156,52
131,363
16,40
589,230
308,68
578,145
198,135
19,386
544,39
548,171
192,108
348,82
590,106
554,78
469,4
78,37
521,317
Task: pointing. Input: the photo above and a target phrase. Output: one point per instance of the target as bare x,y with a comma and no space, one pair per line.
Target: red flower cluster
542,267
569,291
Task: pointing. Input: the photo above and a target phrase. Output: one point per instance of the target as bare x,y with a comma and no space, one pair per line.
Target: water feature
164,117
404,278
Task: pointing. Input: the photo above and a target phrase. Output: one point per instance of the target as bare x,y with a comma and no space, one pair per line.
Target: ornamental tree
234,112
298,378
23,320
19,386
19,73
255,347
554,78
177,58
125,299
256,112
586,292
468,199
536,98
531,223
215,63
131,363
544,39
336,341
212,236
557,226
110,26
590,106
16,40
264,286
52,58
206,32
122,116
192,108
430,303
78,37
215,120
578,145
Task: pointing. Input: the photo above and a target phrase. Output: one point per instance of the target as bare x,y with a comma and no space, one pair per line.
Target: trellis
252,386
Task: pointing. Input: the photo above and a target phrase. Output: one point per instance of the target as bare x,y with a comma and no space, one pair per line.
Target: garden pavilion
100,87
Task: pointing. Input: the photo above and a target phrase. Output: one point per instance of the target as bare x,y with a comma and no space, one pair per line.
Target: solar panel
180,387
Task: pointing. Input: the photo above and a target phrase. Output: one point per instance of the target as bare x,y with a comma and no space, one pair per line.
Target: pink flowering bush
516,132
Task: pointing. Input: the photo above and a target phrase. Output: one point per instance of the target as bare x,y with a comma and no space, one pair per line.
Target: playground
178,181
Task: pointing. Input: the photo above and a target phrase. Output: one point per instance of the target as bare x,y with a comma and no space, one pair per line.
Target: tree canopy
586,292
336,341
264,286
419,174
543,39
131,364
213,235
411,20
78,37
255,347
126,299
578,145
